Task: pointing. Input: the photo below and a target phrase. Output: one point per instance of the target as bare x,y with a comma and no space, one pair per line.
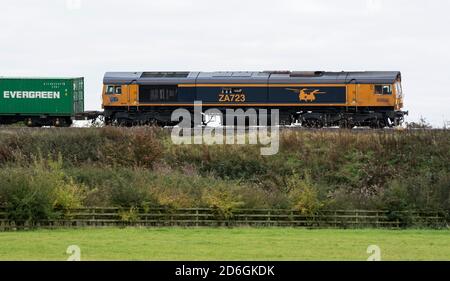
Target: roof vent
164,74
222,74
306,73
242,74
277,71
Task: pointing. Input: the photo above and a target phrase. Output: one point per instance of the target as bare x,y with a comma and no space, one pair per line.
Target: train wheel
33,123
287,121
378,124
313,123
62,122
319,124
346,124
122,122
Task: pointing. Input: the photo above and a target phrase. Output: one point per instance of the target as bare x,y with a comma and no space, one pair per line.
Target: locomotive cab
387,98
399,115
112,94
398,95
117,95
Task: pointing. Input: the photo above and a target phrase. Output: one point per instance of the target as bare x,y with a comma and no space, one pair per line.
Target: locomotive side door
352,93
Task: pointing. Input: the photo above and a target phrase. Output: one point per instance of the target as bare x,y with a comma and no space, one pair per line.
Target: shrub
27,196
128,189
140,167
303,194
39,192
108,146
223,200
425,191
131,215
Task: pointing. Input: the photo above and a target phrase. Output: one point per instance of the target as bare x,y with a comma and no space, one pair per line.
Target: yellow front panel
365,96
127,97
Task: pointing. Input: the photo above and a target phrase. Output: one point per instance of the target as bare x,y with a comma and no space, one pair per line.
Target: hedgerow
46,170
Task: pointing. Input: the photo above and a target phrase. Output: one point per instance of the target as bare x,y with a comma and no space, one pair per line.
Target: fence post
377,221
292,219
335,219
196,217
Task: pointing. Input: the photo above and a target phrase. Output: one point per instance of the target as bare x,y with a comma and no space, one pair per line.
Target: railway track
281,128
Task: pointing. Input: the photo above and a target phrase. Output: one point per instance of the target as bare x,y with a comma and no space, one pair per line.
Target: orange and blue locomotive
313,99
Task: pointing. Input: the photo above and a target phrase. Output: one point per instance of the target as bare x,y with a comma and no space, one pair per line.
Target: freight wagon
41,101
314,99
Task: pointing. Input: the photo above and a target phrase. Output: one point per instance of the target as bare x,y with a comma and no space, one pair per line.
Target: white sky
68,38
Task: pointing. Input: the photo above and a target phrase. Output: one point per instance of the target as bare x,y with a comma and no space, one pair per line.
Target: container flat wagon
41,101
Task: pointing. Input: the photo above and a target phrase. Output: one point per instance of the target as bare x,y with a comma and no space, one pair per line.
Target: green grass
225,244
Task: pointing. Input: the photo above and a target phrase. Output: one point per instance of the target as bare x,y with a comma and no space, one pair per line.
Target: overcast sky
89,37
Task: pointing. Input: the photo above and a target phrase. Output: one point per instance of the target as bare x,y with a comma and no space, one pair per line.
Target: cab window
387,90
113,90
383,89
378,89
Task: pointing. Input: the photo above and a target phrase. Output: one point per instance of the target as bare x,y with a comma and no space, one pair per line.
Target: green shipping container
41,101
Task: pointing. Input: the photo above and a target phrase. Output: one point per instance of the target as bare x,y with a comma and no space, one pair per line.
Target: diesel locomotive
313,99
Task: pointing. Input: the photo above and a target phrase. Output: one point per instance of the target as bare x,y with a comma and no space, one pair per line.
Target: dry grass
394,170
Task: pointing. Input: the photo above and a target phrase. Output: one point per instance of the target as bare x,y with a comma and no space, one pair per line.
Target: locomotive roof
249,77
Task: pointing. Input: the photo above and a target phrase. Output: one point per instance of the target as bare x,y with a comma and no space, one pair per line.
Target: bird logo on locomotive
305,94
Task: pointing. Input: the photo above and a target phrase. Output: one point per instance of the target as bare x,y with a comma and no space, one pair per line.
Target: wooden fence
119,217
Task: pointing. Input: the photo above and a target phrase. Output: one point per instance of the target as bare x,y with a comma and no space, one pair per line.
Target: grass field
225,244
